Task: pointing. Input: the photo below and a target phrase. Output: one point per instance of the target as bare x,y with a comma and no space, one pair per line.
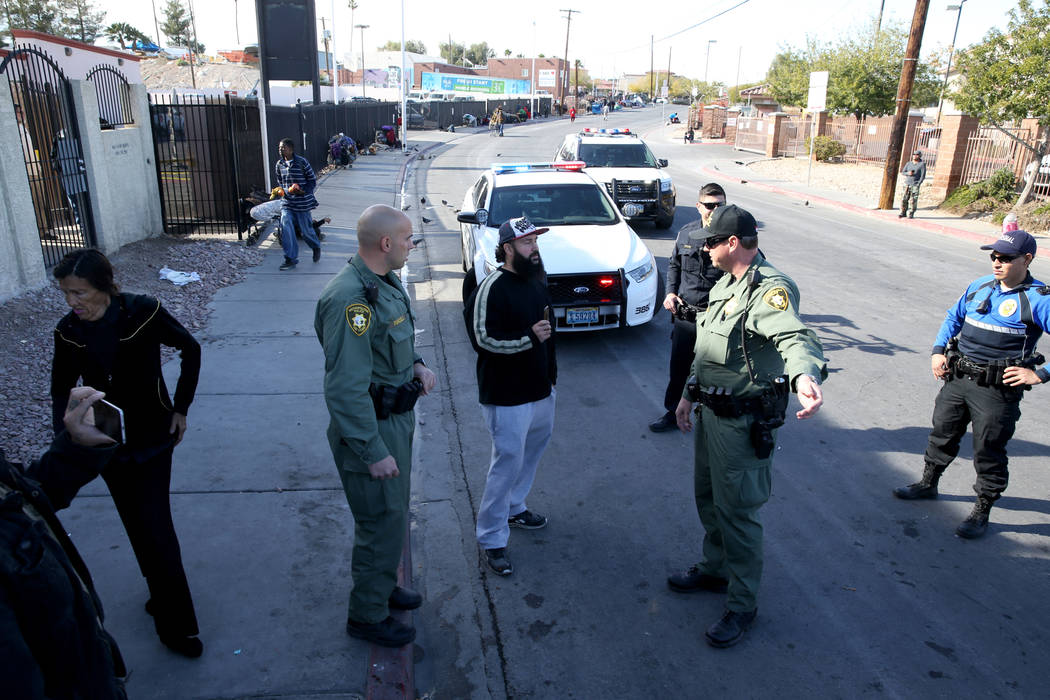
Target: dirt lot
27,322
863,181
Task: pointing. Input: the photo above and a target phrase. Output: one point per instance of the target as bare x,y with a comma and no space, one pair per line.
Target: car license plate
588,314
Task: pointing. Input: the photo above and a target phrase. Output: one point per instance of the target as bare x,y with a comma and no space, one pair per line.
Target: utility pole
193,24
324,37
668,95
652,46
739,55
156,26
708,59
900,119
565,82
951,53
362,27
878,24
236,25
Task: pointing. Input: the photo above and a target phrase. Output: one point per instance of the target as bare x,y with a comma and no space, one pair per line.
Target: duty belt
389,400
729,406
991,373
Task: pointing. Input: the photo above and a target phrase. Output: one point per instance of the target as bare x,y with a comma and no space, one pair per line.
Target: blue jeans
289,220
519,436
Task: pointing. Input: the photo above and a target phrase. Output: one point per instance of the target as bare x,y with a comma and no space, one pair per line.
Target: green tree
507,52
35,15
176,25
1005,79
124,34
864,68
78,19
453,54
479,54
411,46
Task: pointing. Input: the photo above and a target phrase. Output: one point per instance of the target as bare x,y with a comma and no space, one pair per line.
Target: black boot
976,522
924,489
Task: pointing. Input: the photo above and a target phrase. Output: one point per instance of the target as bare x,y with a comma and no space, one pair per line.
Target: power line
682,31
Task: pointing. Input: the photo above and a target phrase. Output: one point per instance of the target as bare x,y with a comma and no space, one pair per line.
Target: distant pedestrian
510,326
497,120
914,175
605,112
985,354
572,114
296,177
372,379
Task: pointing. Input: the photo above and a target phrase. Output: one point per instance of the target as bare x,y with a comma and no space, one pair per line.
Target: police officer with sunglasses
690,276
985,354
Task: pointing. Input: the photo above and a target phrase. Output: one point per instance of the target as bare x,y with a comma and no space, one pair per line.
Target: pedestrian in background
372,380
690,276
509,323
112,340
985,354
296,177
51,620
914,174
752,350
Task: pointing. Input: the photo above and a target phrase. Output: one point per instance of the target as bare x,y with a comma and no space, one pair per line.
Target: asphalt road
863,595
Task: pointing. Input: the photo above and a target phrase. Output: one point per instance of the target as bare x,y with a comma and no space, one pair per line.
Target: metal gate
209,155
54,158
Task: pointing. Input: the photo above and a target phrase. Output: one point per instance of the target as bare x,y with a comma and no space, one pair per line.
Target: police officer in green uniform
751,351
373,377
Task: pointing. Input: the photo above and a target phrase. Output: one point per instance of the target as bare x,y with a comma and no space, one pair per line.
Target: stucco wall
21,261
122,175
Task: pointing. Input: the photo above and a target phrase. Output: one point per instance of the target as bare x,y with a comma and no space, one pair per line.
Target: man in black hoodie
509,321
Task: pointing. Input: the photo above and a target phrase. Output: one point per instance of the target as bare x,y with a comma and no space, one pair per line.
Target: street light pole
708,59
362,27
951,53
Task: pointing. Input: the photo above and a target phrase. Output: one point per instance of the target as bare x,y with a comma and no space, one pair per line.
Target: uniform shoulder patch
359,318
777,298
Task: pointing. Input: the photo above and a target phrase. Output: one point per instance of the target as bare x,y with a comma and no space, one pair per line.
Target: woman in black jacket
112,342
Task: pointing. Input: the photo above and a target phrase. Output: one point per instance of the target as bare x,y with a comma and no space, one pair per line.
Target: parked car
635,179
599,272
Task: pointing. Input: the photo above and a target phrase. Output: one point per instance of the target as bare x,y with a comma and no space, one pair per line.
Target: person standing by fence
914,174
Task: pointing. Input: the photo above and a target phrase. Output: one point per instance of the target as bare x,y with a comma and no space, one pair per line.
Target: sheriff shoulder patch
358,317
776,298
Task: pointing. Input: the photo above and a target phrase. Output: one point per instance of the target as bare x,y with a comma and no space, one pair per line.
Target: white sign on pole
818,91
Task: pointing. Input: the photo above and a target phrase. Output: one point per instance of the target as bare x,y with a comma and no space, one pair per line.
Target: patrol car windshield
626,155
552,205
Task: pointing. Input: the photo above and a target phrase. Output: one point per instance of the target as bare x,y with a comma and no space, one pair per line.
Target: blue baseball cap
1013,243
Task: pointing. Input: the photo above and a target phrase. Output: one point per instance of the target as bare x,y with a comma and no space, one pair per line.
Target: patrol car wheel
663,222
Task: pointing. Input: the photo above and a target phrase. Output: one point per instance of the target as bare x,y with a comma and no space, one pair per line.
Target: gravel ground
27,322
863,181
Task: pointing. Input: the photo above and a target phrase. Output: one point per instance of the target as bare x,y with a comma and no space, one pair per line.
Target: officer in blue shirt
985,353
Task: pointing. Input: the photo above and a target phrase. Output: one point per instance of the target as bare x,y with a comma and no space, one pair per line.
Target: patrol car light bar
504,168
607,132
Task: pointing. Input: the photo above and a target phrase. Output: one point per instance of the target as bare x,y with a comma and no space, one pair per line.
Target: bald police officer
751,350
373,377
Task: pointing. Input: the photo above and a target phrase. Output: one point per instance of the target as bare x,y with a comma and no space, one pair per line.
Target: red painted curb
864,211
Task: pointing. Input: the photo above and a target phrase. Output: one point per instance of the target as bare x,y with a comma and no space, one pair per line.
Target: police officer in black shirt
690,276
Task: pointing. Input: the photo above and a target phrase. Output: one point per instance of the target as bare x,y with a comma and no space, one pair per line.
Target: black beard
530,268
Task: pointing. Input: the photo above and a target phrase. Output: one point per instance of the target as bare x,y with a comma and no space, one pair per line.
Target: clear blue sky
609,42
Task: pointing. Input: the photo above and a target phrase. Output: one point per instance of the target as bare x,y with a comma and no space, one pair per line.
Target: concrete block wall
947,173
732,115
121,172
21,259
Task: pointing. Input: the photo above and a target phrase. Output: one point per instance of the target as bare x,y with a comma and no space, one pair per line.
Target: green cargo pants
380,510
730,485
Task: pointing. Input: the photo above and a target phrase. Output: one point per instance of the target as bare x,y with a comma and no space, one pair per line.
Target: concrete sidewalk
262,520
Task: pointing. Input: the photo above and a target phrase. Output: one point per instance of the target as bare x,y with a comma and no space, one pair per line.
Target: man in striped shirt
296,178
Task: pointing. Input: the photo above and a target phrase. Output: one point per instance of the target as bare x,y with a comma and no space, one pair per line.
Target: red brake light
606,282
570,165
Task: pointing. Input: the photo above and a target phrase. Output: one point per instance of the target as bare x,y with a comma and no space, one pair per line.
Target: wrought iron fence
751,134
866,140
114,96
927,139
208,154
989,149
51,149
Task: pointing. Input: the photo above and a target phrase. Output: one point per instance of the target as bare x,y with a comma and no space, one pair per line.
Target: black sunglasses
710,205
999,257
715,240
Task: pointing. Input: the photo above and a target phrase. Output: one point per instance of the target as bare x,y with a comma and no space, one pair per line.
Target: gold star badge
777,298
358,317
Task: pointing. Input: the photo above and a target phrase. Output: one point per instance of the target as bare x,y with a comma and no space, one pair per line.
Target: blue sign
452,82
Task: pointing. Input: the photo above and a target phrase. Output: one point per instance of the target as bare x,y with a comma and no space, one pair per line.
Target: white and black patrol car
634,178
599,272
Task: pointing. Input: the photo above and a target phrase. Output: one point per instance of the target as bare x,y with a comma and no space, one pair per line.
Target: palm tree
122,32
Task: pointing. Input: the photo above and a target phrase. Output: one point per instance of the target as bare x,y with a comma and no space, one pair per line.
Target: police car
599,272
622,162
